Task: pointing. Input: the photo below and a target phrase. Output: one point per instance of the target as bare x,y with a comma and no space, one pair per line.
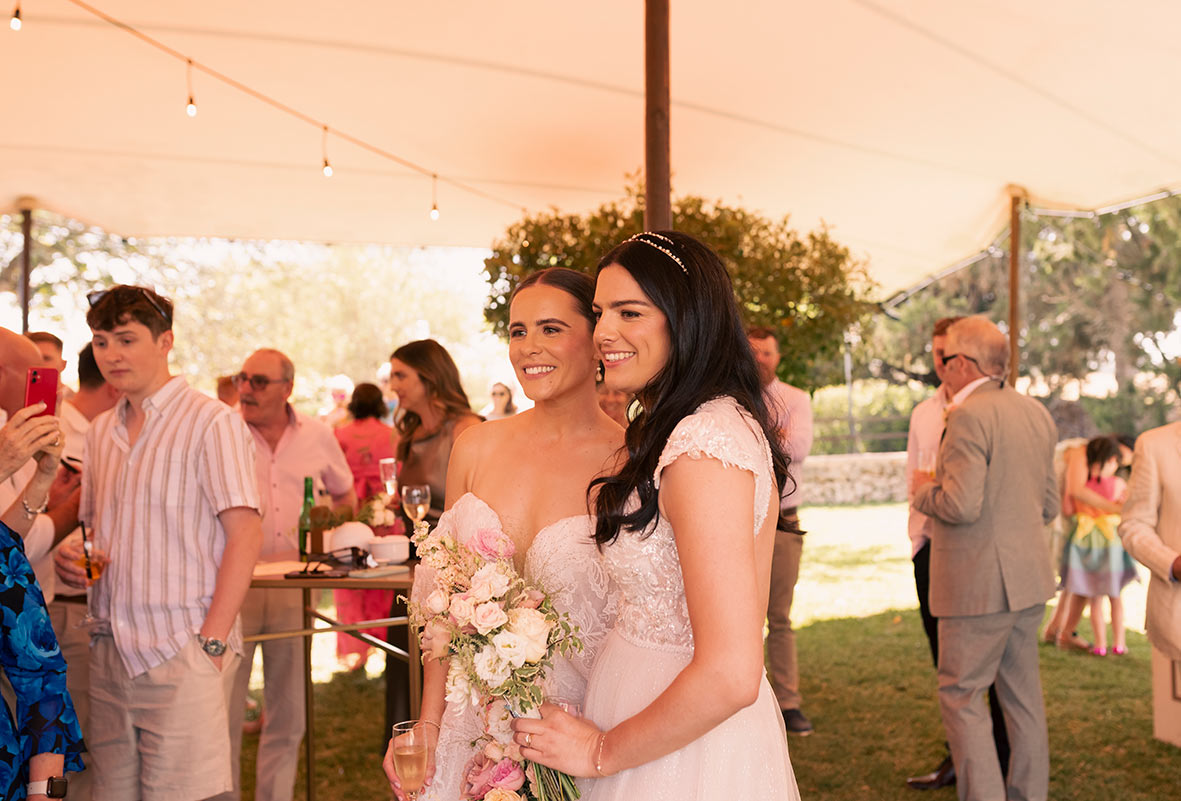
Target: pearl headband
665,250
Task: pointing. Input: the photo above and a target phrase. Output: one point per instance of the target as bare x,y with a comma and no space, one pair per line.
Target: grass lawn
868,685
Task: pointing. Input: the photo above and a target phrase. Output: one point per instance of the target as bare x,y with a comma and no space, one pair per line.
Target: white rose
491,669
492,574
498,723
461,608
510,647
481,589
458,687
533,629
488,616
438,602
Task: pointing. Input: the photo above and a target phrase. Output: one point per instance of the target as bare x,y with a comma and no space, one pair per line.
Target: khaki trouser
265,612
784,673
161,735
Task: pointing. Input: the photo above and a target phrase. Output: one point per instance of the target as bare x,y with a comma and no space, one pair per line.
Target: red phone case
41,385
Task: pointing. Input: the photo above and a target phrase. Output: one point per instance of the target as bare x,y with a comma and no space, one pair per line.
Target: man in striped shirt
169,493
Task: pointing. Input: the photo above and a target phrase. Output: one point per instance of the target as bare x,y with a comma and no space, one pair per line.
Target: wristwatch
211,645
53,787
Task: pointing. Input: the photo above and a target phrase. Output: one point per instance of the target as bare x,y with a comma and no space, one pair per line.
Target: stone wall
854,478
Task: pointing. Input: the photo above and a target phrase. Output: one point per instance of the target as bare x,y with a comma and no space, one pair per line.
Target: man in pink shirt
289,446
791,409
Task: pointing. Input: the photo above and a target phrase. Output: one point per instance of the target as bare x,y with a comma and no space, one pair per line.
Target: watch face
57,788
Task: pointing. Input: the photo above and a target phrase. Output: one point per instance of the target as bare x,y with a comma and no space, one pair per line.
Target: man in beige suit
993,490
1151,532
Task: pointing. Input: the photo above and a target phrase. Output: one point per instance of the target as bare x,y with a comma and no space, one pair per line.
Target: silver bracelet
30,512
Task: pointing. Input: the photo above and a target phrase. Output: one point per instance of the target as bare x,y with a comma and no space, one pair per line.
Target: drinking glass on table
411,741
388,470
416,501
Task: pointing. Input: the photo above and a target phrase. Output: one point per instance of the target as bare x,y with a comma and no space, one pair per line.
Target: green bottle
305,517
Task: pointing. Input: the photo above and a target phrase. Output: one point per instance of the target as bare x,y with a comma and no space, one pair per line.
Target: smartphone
41,385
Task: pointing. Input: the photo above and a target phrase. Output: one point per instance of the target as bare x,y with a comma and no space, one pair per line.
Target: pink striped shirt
153,508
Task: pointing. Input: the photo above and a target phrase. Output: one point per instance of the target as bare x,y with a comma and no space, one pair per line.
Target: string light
191,108
434,196
15,22
278,105
324,152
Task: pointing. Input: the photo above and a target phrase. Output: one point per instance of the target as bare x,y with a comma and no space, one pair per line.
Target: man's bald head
979,339
17,355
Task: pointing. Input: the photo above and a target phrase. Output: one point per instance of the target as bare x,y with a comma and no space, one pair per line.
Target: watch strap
53,787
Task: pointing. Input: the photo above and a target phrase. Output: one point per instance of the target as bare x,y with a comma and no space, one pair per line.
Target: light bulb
15,22
434,212
191,108
327,169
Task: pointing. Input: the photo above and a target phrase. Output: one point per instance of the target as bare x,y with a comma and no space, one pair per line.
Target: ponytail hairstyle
709,357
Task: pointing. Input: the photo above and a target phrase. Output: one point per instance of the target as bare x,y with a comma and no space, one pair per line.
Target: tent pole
1016,198
657,179
26,265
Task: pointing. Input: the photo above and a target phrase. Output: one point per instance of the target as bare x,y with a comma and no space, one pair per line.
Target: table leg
308,700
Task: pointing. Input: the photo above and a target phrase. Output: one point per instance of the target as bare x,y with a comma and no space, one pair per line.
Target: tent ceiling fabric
899,124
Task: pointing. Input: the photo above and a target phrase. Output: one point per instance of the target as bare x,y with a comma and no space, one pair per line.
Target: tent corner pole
657,169
1016,198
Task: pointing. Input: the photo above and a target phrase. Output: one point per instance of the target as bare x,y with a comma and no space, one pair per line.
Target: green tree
808,287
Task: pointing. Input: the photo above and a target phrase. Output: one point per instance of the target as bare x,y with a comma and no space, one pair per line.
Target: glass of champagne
388,470
412,740
416,501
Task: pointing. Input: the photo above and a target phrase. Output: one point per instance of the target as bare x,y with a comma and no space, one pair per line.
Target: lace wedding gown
745,756
564,562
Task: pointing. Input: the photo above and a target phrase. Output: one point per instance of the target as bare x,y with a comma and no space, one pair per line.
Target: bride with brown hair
526,476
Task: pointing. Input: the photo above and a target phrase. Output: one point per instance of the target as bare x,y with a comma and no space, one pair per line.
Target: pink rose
529,599
491,544
477,776
508,775
488,616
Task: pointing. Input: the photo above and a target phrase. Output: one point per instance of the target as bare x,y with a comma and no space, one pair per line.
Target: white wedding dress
564,562
745,756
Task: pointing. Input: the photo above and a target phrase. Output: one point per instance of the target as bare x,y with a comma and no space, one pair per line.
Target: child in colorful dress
1094,562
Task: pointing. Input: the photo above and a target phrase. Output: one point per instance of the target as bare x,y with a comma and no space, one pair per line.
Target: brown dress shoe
942,776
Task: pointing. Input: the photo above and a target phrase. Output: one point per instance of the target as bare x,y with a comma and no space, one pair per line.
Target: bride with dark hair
678,705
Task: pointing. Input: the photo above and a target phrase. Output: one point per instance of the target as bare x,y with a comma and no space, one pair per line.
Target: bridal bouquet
501,636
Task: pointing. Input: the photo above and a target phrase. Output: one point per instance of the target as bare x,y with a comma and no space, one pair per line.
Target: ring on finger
528,739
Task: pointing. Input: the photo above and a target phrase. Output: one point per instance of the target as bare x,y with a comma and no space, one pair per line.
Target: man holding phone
169,493
17,356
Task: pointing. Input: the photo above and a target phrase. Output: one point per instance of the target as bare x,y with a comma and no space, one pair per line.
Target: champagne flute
411,740
416,501
388,470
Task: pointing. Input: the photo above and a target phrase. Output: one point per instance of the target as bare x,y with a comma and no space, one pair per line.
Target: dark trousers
922,585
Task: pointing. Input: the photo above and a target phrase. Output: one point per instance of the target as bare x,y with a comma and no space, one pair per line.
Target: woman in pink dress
365,442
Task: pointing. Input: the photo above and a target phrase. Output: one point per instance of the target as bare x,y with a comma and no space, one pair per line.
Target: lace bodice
652,607
564,563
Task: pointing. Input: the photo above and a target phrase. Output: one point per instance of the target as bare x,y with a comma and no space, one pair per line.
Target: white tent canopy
900,124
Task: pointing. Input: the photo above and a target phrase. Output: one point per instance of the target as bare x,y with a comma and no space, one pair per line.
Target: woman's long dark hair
440,377
710,357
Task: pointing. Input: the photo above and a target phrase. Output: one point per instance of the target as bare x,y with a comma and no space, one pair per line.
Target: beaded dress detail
744,757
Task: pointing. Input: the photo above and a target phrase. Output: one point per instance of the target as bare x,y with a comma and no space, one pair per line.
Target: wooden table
401,581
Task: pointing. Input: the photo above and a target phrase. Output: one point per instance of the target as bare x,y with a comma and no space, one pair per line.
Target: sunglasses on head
257,382
94,297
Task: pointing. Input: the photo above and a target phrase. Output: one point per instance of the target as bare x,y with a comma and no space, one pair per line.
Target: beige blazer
993,492
1151,530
